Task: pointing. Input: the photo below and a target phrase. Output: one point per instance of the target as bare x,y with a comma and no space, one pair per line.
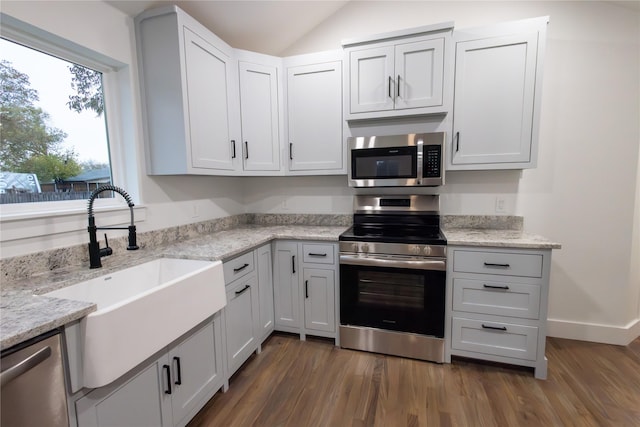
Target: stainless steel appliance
415,159
393,277
32,378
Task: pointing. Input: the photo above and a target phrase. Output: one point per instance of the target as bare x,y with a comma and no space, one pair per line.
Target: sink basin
141,310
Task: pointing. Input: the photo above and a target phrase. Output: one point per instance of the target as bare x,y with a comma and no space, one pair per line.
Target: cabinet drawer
501,263
500,339
317,253
238,267
498,298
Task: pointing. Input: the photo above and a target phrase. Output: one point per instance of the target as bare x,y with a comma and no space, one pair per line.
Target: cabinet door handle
246,150
494,265
179,380
398,91
457,141
306,289
241,291
312,254
293,264
506,288
235,270
167,370
233,148
389,91
291,151
495,328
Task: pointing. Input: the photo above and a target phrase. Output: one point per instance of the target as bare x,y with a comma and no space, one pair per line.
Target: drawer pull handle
241,291
495,328
236,270
506,288
312,254
178,381
494,265
167,370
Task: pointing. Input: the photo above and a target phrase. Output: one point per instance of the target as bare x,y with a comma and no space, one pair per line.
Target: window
54,143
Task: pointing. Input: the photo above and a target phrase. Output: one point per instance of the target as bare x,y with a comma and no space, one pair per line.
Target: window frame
27,220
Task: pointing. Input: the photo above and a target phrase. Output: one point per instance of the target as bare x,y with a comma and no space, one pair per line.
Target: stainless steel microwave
411,160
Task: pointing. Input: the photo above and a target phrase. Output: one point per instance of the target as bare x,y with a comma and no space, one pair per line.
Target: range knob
415,249
364,247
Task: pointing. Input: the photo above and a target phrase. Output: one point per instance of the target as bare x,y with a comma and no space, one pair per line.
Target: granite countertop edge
25,313
497,238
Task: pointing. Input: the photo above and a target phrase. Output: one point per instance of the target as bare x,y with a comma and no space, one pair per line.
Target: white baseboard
606,334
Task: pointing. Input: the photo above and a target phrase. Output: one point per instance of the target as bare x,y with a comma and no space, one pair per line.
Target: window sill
24,225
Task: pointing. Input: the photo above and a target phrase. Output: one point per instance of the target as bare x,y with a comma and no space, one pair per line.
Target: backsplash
25,266
483,222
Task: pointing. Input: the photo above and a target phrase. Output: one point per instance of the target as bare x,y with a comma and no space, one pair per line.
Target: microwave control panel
432,161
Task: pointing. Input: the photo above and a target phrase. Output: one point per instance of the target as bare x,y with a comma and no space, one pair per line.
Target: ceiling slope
268,27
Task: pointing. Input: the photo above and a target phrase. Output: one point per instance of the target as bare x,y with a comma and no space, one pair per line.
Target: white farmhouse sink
141,310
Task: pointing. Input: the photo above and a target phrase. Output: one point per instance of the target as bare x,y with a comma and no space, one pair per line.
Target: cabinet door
259,114
240,321
419,72
319,300
285,285
371,83
138,400
265,286
207,71
314,113
196,371
494,100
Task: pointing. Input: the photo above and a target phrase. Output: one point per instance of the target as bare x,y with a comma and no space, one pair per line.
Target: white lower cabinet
497,305
167,392
305,280
240,322
248,316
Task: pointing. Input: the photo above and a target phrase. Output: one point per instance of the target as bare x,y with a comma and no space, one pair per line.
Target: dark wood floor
313,383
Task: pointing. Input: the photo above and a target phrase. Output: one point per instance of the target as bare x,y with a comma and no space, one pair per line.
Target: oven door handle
426,264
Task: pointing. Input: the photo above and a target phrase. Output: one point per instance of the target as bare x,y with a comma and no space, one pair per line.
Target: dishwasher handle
25,365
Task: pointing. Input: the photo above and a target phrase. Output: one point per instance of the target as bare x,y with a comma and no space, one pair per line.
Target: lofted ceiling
261,26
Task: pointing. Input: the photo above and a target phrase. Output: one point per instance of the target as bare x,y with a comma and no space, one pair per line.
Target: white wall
169,200
584,193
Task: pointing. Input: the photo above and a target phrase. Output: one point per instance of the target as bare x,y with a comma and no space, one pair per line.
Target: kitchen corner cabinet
497,305
260,118
189,96
248,316
314,114
399,74
167,392
305,297
497,96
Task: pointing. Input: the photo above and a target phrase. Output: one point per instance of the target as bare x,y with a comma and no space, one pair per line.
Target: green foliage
24,133
51,167
88,86
89,165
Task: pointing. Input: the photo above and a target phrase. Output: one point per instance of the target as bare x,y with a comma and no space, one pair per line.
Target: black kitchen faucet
95,253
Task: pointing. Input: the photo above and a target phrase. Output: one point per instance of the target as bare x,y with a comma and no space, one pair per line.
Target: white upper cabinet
314,115
405,73
259,117
498,81
189,97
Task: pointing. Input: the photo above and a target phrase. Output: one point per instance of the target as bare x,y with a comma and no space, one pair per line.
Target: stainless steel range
392,277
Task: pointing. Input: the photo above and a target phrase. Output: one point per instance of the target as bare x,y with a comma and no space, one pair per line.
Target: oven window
375,163
396,290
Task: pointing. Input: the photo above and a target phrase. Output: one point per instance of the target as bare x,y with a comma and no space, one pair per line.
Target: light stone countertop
497,238
25,313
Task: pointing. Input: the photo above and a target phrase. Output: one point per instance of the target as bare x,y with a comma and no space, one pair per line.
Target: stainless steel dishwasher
32,381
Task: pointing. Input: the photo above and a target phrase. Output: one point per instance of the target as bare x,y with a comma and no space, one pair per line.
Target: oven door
407,296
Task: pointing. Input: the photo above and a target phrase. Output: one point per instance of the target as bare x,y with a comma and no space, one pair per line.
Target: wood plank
313,383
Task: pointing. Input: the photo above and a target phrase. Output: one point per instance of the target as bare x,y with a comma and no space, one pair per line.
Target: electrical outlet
501,205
